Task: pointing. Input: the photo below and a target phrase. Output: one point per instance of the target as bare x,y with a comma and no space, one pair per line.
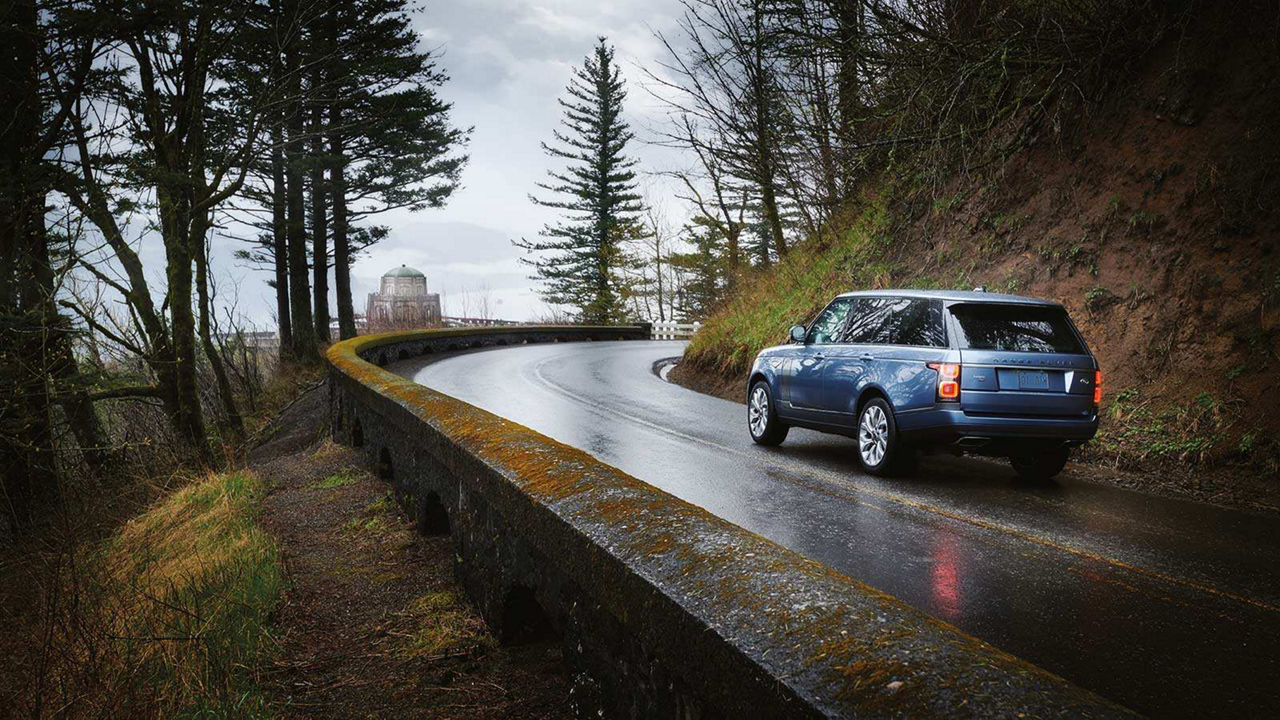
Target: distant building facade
402,302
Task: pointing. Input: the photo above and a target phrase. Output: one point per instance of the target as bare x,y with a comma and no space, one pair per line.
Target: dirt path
373,624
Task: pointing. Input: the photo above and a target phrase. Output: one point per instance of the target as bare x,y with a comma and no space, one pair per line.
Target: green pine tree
703,268
580,258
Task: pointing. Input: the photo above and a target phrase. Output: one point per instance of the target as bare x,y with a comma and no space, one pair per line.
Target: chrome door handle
867,356
819,357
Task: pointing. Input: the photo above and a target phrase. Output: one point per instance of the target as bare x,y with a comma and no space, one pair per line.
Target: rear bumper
945,426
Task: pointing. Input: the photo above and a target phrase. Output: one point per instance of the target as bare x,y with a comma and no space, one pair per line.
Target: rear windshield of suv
1015,328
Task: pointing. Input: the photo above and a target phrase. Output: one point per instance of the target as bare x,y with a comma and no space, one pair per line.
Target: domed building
403,302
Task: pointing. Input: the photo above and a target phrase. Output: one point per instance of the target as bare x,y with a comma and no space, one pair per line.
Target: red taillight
948,380
1097,387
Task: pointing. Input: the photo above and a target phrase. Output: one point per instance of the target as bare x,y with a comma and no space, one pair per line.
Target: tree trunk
319,232
280,242
323,43
73,396
769,201
175,231
850,29
231,415
158,335
765,167
338,193
27,461
62,374
341,249
181,229
304,335
735,245
662,313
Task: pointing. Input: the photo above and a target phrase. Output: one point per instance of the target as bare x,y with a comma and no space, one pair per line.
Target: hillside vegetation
1150,214
167,617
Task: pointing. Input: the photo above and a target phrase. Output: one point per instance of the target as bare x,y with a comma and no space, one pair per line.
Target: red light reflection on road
945,576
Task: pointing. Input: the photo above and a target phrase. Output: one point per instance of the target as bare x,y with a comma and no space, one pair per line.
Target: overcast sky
508,61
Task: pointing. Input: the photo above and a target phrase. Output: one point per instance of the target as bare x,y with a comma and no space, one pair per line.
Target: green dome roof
403,271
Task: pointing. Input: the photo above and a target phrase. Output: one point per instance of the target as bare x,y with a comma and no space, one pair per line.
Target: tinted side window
869,322
897,321
826,328
918,322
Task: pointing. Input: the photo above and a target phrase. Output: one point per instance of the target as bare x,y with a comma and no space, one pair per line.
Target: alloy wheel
873,435
758,411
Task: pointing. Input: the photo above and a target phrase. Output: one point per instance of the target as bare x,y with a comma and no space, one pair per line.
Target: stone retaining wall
663,610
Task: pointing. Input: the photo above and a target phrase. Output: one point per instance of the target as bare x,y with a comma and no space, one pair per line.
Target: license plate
1033,380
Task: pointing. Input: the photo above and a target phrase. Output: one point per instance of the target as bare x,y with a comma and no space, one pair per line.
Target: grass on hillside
172,612
769,302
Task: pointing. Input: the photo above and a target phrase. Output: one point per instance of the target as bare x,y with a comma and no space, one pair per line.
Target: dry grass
445,626
339,479
327,449
168,617
376,516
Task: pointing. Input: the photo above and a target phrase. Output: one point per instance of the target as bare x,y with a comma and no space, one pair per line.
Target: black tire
763,423
880,449
1041,465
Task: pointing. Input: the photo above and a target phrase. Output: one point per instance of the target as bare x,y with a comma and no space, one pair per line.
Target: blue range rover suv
908,370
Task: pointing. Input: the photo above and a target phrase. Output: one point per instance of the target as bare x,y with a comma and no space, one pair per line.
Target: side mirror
797,333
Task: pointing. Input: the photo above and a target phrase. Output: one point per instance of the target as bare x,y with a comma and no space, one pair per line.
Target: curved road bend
1169,607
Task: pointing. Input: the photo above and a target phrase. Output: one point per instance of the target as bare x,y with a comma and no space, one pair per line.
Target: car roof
954,296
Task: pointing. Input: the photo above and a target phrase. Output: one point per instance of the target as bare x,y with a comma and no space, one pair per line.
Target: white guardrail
674,330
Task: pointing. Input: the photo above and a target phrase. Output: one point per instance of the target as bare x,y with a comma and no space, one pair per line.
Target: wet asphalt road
1169,607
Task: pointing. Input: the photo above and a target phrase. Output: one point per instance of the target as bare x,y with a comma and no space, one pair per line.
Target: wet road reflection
1169,607
946,577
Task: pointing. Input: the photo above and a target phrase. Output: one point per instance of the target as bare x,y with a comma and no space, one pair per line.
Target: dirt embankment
1155,219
